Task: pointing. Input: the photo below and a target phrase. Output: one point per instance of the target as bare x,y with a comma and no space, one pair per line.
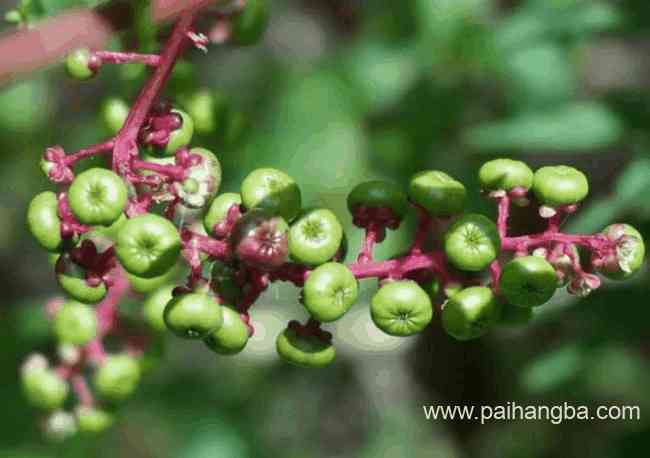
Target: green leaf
576,127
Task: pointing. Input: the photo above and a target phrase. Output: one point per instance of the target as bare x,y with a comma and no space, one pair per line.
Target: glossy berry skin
437,192
261,240
472,242
629,252
330,291
401,308
504,175
224,283
154,307
78,64
75,324
97,197
272,190
193,315
470,313
560,185
218,209
248,26
315,237
43,221
182,136
114,114
304,351
117,378
92,420
207,109
148,246
528,281
44,388
149,285
231,337
72,279
378,194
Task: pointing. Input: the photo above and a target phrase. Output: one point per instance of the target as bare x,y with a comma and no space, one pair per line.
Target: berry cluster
156,213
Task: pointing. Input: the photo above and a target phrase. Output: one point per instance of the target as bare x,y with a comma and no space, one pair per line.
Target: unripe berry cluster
156,213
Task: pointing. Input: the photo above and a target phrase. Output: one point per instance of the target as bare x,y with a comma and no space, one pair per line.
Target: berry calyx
97,197
470,313
182,136
117,378
315,237
231,337
437,192
81,64
330,290
556,186
377,201
44,222
218,210
401,308
148,245
628,254
304,350
193,315
75,323
472,242
272,190
505,175
528,281
261,240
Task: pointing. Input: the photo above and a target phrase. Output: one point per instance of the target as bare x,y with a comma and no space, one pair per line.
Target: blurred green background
338,92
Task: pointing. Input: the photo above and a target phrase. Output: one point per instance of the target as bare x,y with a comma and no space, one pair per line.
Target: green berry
248,26
504,175
330,291
272,190
315,237
149,285
437,192
472,242
528,281
78,64
75,323
182,136
44,388
202,181
154,307
114,114
72,279
117,378
470,313
148,246
43,221
560,185
193,315
378,194
207,110
92,420
629,252
304,351
231,337
219,209
401,308
97,197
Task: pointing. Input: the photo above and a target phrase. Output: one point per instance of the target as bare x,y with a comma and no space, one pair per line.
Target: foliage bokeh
339,92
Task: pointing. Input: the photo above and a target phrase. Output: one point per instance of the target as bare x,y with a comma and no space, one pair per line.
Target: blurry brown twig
28,50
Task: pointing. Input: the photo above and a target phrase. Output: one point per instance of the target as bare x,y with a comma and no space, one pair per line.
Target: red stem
112,57
175,172
93,150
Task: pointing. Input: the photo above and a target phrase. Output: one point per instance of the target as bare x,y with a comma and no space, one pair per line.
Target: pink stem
424,224
397,268
112,57
100,148
503,214
372,234
595,242
175,172
81,389
495,275
126,141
